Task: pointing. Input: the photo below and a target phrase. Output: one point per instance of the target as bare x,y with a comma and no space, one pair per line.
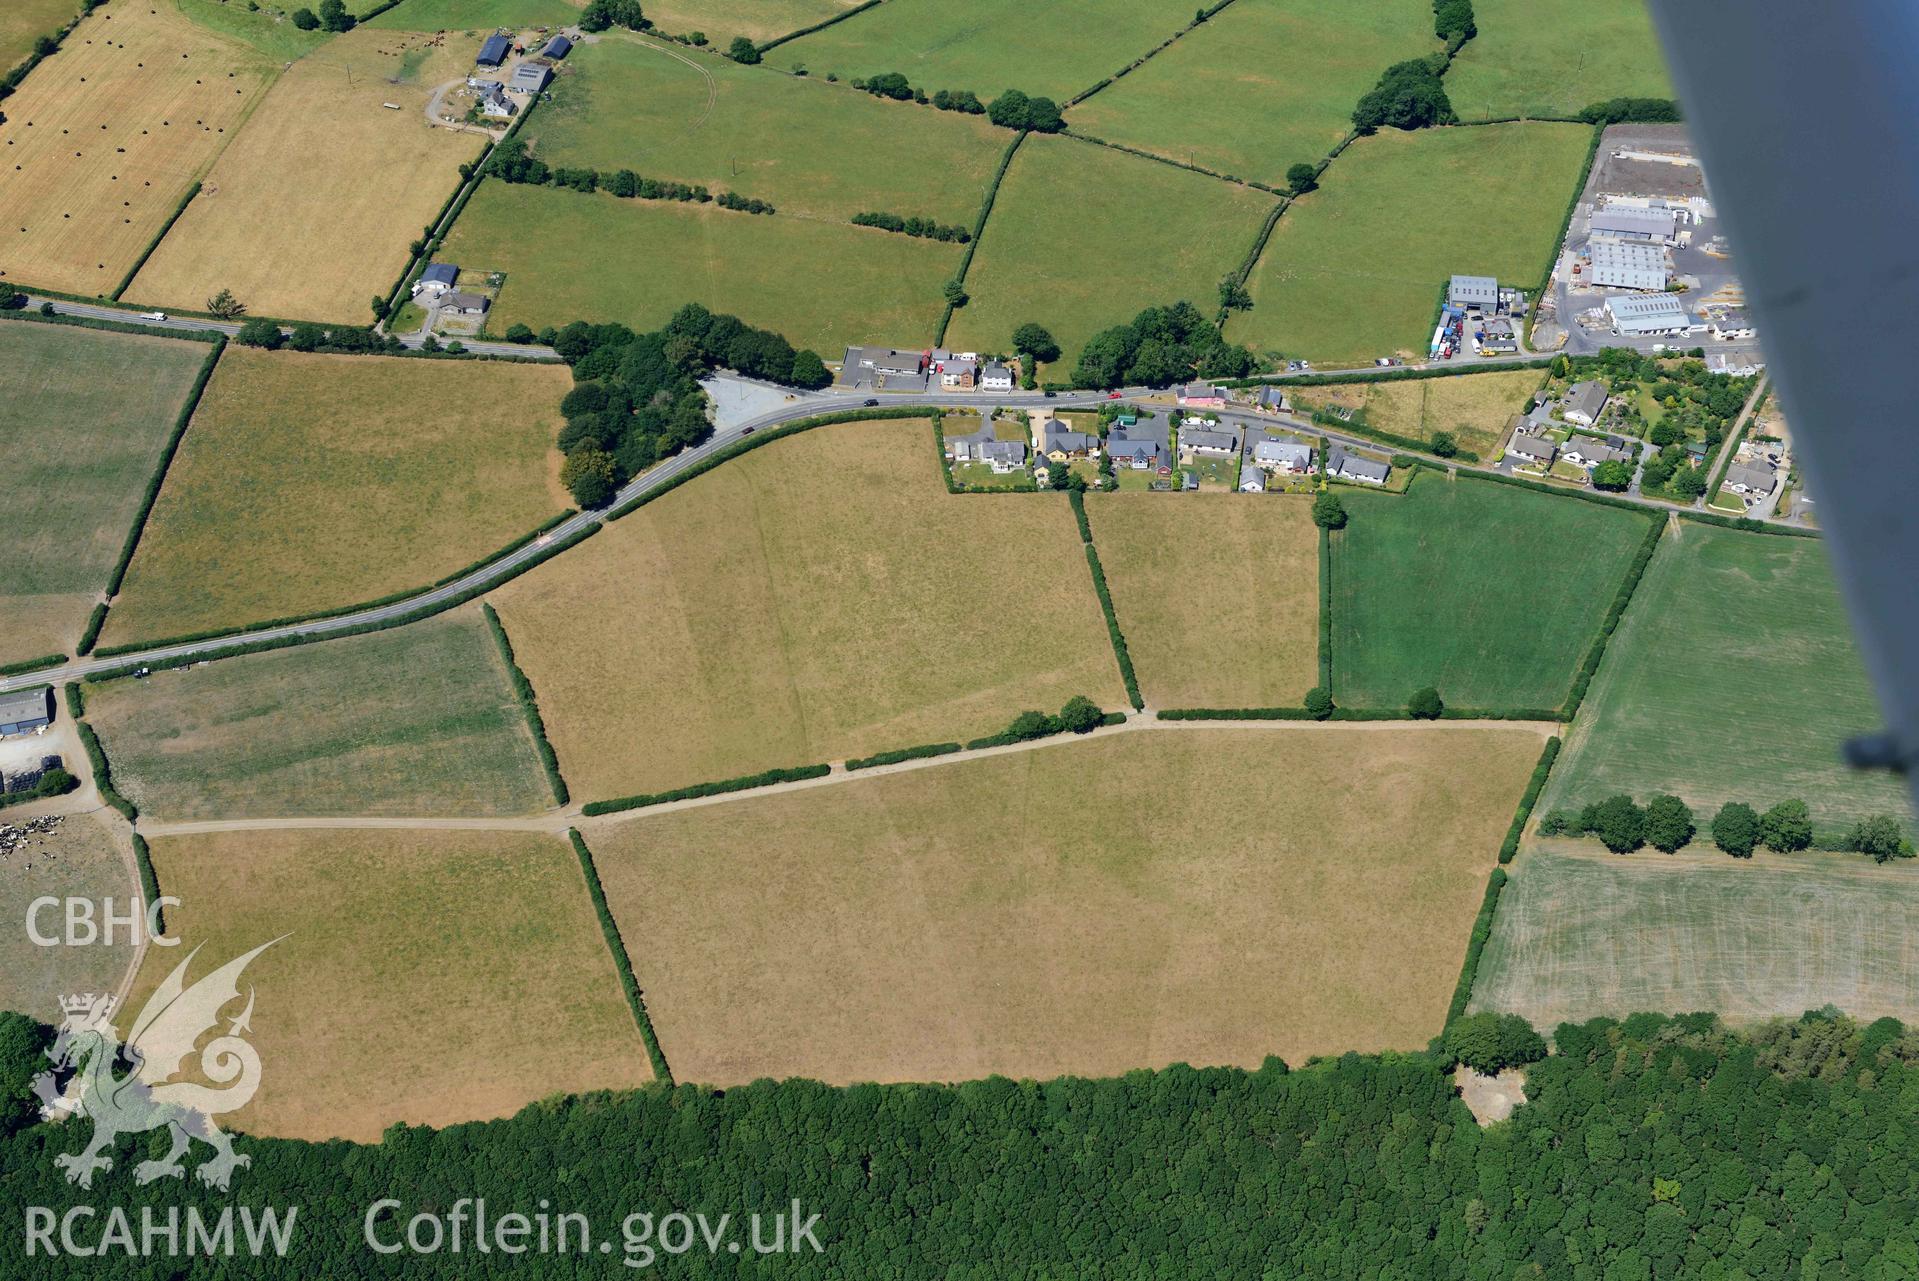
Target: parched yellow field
1218,595
721,20
1475,408
310,210
86,857
103,139
309,482
420,977
821,597
1208,894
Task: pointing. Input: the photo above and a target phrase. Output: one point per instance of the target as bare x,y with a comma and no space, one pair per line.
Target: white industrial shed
1627,264
1647,314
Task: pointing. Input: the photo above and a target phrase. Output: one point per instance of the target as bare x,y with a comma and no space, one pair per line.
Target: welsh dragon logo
86,1049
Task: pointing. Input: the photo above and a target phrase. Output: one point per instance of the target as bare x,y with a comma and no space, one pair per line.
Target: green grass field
83,417
823,286
1260,86
24,21
1056,49
1082,237
1555,57
310,482
1354,270
420,720
721,20
267,32
667,112
1580,935
1490,593
1733,676
477,15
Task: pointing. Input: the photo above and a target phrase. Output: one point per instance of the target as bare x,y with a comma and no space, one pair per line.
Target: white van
153,315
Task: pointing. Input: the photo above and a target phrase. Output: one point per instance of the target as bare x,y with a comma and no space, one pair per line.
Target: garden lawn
1491,593
1475,408
819,598
308,482
1555,57
822,286
83,418
1733,676
1579,935
419,720
1262,85
1354,270
1217,594
472,958
809,147
1290,890
1083,237
1055,49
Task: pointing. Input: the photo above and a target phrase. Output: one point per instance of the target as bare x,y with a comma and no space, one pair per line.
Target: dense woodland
1656,1147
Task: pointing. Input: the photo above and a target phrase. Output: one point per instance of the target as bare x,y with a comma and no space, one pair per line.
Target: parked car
747,431
869,402
1051,395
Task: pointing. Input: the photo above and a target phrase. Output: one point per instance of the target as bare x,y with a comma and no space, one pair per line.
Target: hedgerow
635,999
765,778
530,705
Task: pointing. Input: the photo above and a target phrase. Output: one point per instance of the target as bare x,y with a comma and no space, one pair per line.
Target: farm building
1532,449
1352,467
464,304
556,48
1626,264
26,711
493,51
1648,315
1584,402
436,279
1473,291
529,77
1624,222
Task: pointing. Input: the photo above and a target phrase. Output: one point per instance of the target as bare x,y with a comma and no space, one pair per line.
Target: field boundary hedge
35,55
979,225
1529,798
1623,597
529,704
437,229
622,962
842,16
391,598
97,759
1531,715
1325,609
39,664
179,211
1199,18
897,755
1188,166
1476,944
91,634
1565,224
1333,422
746,782
1397,374
1006,738
1113,633
149,881
1747,525
1245,269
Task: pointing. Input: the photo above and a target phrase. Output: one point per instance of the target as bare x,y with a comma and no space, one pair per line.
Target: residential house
984,446
1141,449
494,102
1499,338
959,373
1061,443
996,377
1252,480
493,51
1202,396
1584,402
1352,467
1590,451
1532,449
436,279
26,711
1732,323
1754,477
459,303
1208,441
1272,400
1293,457
529,77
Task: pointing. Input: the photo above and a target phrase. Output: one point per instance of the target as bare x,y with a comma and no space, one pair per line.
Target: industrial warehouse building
1628,264
1474,291
1625,222
1644,315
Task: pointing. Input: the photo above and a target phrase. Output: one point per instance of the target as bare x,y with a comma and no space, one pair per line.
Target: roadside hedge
1113,632
107,326
1476,943
1534,785
1748,525
1006,738
1359,427
152,494
149,881
523,688
902,754
765,778
1398,374
1621,598
1566,222
635,999
1355,714
33,665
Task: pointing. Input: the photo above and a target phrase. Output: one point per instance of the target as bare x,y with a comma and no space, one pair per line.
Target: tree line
1013,109
924,228
511,162
1666,823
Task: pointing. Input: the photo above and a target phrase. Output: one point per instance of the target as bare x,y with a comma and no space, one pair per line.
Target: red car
1112,395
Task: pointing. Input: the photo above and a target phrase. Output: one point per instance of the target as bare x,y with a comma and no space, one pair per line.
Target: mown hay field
22,22
1262,85
1584,934
83,418
1555,57
1490,593
811,148
822,285
105,137
419,976
1209,895
1353,271
1217,594
419,720
761,20
1732,677
310,209
820,598
310,482
83,858
1052,50
1475,408
1082,237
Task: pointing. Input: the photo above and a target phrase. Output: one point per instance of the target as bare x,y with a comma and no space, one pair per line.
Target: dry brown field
819,598
104,138
308,213
86,856
1217,594
1203,893
308,482
421,977
1475,408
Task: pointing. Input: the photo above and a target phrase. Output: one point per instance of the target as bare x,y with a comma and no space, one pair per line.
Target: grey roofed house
1056,437
437,276
1353,467
1532,447
970,447
1272,398
1004,455
1751,477
494,102
1588,452
1282,455
24,711
529,77
1215,442
463,304
493,51
556,48
1200,391
1252,480
1473,291
1138,447
1584,402
996,376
